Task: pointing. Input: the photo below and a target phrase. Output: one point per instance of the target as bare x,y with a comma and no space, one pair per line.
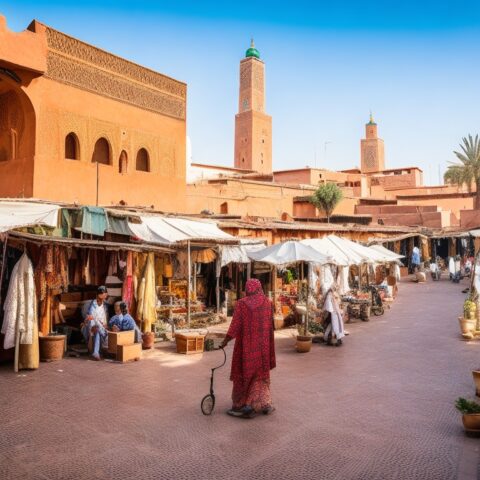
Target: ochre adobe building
66,107
371,193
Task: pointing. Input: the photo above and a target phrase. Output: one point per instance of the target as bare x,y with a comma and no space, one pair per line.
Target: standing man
95,316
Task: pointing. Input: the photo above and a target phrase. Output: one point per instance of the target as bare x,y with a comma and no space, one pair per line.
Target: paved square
379,407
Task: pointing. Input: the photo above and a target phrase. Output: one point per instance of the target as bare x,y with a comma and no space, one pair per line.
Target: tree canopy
467,172
326,198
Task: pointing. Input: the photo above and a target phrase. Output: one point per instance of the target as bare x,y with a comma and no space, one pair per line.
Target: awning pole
2,272
189,287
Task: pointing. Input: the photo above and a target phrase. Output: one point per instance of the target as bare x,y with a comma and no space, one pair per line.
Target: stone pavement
379,407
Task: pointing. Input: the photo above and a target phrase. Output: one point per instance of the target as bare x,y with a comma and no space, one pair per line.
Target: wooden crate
128,353
190,342
116,339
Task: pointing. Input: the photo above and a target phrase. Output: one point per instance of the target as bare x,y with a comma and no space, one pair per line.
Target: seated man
94,327
123,321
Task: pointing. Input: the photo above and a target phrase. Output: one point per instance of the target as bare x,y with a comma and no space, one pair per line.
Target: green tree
326,198
467,172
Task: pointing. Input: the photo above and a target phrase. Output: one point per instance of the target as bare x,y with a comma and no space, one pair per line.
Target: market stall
289,253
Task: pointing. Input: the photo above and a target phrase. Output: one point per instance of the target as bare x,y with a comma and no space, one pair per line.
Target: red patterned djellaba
252,329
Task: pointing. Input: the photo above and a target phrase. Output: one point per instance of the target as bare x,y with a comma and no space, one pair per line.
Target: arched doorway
17,140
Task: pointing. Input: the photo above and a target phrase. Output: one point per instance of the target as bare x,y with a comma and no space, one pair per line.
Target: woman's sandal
248,412
268,410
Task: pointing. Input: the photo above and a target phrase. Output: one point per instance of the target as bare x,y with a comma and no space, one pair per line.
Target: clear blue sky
414,63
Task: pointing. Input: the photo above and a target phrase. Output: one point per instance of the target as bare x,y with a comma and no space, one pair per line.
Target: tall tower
372,149
253,128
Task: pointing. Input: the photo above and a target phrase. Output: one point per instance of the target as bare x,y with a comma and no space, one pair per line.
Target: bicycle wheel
208,404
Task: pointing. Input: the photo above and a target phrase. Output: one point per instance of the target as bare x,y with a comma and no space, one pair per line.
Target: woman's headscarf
253,287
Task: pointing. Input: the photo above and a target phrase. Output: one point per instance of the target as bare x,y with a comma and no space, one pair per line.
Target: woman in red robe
253,354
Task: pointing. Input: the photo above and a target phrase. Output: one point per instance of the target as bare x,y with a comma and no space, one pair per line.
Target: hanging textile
342,280
20,305
52,270
207,255
94,221
180,270
45,313
146,295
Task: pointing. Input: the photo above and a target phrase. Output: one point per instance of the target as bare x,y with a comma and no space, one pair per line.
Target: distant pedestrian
415,259
253,354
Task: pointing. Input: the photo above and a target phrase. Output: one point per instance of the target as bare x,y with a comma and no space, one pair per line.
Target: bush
465,406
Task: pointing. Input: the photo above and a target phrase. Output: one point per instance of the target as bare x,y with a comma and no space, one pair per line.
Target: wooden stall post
189,286
2,272
217,283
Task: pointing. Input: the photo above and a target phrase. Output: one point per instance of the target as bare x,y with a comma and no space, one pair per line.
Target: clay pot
466,325
51,347
476,379
471,422
148,339
278,322
304,344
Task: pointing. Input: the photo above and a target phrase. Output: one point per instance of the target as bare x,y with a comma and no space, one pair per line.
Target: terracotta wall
241,197
64,109
428,219
470,218
94,95
455,204
386,209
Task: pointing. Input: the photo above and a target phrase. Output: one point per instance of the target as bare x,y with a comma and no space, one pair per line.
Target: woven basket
52,347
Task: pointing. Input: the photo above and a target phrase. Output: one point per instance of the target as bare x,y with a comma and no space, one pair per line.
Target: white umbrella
366,254
288,253
341,255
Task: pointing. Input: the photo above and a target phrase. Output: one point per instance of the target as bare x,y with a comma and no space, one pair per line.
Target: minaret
253,128
372,149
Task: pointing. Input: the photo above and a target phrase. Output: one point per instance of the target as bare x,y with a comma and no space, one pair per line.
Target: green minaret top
252,51
371,122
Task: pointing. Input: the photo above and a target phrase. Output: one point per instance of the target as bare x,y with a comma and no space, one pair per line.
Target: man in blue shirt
123,321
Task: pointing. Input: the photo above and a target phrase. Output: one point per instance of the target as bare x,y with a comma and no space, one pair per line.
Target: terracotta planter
304,344
51,347
278,322
470,314
471,422
148,339
476,379
466,325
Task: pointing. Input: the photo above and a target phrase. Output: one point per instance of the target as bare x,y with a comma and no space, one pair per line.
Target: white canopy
389,255
288,253
27,214
365,253
330,247
167,230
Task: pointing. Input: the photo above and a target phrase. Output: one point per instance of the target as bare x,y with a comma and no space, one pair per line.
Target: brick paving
379,407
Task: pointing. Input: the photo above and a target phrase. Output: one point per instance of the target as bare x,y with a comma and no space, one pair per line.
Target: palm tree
326,198
468,171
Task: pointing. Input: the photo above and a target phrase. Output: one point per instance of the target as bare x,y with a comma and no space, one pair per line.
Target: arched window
101,152
72,150
123,162
143,161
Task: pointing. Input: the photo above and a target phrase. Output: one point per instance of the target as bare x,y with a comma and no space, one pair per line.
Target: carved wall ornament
75,48
82,75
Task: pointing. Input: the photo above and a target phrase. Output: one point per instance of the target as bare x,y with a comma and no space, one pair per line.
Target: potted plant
304,340
470,310
467,326
470,414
